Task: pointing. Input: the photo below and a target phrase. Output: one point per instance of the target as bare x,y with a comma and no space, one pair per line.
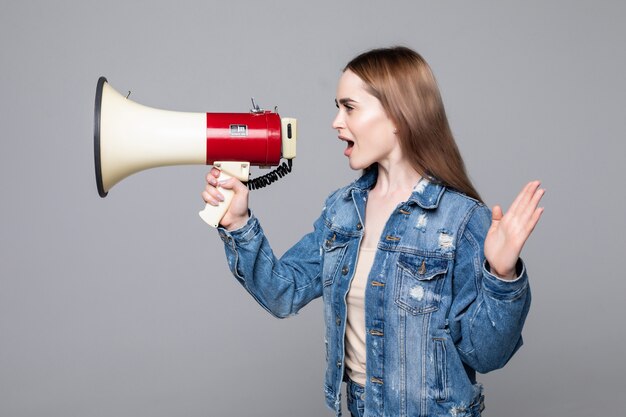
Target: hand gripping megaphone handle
212,215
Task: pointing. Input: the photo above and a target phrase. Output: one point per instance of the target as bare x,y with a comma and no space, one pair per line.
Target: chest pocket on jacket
334,249
419,281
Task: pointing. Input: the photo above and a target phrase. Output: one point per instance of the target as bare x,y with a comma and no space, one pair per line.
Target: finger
539,193
214,193
526,209
210,199
520,195
212,176
530,226
524,196
233,184
210,179
496,213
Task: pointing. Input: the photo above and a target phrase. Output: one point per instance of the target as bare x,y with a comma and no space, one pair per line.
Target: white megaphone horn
130,137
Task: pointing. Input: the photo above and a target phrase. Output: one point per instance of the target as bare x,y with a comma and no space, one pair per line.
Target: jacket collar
426,193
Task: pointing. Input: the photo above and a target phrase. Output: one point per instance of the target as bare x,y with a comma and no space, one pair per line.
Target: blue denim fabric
355,394
435,315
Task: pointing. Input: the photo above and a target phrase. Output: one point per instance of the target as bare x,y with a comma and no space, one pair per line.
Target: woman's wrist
237,223
506,275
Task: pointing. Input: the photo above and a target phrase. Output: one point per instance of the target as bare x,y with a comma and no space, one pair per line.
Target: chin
360,165
357,166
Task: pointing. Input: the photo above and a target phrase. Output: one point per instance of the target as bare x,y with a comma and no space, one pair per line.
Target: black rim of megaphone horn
96,136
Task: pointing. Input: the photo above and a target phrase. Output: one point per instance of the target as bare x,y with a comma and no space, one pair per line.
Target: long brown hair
406,87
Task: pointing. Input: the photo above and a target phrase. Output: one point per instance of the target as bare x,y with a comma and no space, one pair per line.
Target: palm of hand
508,233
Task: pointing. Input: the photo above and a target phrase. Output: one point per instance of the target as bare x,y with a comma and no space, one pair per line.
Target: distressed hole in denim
445,241
417,292
422,220
458,411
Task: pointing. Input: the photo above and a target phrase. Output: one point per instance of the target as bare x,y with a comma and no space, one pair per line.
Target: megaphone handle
212,215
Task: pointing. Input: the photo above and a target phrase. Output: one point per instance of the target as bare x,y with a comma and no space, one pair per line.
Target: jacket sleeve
281,286
487,313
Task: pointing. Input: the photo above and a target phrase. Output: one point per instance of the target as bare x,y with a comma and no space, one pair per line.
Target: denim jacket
434,315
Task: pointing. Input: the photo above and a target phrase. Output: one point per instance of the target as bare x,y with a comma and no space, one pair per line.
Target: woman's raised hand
237,214
509,232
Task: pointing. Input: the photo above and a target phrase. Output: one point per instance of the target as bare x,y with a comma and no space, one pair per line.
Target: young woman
422,284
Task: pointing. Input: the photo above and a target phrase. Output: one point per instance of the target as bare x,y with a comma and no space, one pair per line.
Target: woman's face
363,124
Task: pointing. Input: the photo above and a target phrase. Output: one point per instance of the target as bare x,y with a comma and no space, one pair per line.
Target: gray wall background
124,306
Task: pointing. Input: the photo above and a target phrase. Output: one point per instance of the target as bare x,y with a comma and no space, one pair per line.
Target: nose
338,122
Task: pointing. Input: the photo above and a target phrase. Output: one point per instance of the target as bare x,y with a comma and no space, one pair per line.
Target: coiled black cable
265,180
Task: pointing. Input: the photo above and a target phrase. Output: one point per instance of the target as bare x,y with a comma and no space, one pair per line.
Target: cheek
367,124
377,127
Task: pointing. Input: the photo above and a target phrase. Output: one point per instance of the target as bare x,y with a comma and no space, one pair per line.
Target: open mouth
349,142
349,146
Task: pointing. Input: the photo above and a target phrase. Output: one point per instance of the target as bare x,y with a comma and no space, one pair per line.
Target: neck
399,177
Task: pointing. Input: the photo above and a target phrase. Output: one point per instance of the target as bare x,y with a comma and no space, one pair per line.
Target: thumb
232,184
496,213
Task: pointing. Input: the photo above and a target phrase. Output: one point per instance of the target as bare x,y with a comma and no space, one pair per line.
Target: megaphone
130,137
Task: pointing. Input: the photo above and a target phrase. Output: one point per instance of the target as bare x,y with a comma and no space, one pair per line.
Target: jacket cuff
506,289
244,234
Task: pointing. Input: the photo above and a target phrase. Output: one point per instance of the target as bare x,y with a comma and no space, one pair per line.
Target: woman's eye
345,105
